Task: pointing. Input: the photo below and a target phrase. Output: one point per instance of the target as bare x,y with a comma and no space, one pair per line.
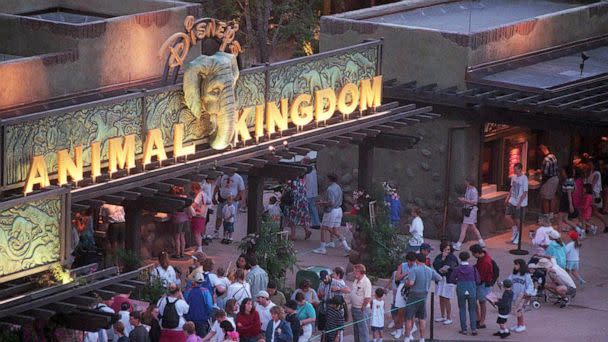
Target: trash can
312,274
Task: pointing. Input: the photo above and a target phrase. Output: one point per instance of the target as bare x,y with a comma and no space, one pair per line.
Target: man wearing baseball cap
263,307
557,281
200,300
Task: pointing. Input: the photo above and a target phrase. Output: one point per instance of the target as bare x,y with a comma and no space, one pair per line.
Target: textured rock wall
419,173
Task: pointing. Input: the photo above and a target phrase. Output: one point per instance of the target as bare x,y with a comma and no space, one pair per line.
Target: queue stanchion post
520,251
432,330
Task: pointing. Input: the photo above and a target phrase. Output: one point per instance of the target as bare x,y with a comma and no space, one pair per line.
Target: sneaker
447,322
330,245
391,325
515,239
199,249
520,328
320,251
414,329
439,319
498,333
505,334
397,333
216,235
457,246
407,339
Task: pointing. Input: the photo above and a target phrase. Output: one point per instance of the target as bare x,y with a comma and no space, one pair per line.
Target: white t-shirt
275,326
167,276
124,318
230,185
180,306
104,335
417,231
541,236
311,185
597,185
238,291
219,332
198,205
377,313
229,212
264,313
220,281
519,185
207,189
562,274
572,253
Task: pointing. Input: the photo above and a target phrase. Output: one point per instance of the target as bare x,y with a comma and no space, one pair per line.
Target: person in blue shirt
393,202
278,329
201,304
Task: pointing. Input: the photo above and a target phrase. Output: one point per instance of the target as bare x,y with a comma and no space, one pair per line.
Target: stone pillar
366,166
133,222
255,203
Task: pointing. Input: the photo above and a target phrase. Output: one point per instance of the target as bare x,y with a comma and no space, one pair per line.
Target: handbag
466,211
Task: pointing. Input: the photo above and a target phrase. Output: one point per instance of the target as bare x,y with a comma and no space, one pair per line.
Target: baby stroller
538,278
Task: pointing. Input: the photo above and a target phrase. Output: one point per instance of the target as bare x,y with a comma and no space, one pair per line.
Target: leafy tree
267,26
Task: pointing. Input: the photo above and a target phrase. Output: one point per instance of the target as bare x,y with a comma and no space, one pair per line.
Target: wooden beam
315,146
79,207
226,169
195,177
19,320
300,150
147,192
161,187
85,301
178,181
395,142
16,289
60,306
130,195
121,288
136,283
112,199
87,320
329,142
370,132
40,313
257,162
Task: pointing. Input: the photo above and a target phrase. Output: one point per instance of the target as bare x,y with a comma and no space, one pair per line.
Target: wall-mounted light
286,144
271,149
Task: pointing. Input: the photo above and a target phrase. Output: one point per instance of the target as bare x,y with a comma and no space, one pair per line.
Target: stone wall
112,52
419,173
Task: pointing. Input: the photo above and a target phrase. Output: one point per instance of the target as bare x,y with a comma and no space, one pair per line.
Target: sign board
217,104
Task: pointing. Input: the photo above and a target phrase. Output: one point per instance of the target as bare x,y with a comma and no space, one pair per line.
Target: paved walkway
586,319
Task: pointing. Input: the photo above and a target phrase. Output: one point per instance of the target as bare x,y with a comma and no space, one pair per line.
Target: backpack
296,328
495,272
207,284
170,318
287,197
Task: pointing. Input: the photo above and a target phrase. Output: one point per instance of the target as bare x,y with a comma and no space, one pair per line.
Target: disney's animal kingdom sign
210,94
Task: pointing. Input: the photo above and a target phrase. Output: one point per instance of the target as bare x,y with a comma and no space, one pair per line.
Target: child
231,308
229,332
190,330
378,315
504,308
273,210
523,288
336,315
587,210
466,278
572,256
229,213
556,249
119,330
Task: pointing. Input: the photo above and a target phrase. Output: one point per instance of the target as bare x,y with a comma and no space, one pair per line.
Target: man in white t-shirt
174,296
263,307
229,184
516,202
216,334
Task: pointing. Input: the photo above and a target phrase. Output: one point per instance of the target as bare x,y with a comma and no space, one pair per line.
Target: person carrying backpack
488,274
172,308
200,301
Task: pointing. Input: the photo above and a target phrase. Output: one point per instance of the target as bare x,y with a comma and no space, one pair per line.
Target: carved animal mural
209,84
29,235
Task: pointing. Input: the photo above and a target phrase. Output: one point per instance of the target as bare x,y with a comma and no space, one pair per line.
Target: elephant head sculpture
209,83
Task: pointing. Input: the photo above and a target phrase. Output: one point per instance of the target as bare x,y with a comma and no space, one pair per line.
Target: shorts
482,292
377,328
572,265
332,219
417,309
180,227
549,188
228,227
501,320
197,224
472,217
518,305
399,299
117,232
514,212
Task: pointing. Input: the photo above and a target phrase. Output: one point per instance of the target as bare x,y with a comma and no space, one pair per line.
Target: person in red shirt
119,299
486,275
248,322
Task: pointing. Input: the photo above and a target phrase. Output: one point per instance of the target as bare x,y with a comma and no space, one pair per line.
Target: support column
133,221
255,203
366,166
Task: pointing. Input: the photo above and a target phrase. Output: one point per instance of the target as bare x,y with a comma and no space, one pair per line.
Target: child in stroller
538,278
556,281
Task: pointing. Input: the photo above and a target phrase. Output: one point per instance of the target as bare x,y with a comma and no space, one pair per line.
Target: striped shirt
550,167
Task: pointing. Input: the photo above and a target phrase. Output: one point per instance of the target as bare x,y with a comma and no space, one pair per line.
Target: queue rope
312,338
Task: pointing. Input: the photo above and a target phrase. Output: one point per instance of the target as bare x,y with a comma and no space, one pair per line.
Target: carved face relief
209,91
